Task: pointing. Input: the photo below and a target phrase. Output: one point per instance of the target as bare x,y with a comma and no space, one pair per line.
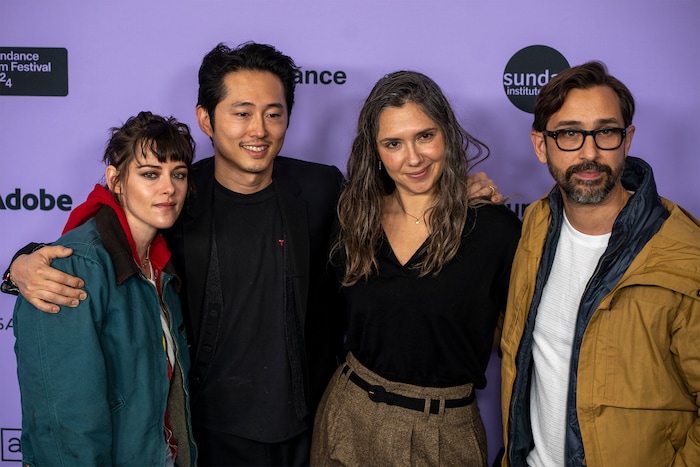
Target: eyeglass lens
571,140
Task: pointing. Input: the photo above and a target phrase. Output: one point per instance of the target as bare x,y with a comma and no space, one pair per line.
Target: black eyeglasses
606,139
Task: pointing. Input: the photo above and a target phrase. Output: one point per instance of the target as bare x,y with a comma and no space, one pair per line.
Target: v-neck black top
435,331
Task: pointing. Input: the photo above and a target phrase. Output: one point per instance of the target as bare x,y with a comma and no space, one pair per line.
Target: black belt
380,394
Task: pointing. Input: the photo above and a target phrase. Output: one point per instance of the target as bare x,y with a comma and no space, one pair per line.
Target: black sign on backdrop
33,71
10,443
527,71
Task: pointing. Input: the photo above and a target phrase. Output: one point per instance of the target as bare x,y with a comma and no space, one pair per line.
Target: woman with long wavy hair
424,273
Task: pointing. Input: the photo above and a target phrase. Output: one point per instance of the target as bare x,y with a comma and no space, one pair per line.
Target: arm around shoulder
40,284
8,286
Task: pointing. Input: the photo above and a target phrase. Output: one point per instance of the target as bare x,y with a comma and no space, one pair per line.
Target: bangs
165,144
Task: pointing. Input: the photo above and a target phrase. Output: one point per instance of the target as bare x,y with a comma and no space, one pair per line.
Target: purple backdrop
127,56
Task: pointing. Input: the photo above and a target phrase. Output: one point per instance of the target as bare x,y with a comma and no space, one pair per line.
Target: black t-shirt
436,331
249,381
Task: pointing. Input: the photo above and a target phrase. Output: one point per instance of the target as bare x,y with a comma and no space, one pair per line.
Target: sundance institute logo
527,71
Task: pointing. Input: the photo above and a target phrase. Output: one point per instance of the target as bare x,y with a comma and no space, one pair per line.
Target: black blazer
307,193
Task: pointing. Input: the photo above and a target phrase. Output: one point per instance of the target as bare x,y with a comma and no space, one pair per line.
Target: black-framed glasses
606,139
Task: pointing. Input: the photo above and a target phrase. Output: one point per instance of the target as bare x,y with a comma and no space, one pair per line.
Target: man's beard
587,191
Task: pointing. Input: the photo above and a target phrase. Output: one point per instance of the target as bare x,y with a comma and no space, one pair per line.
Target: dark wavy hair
590,74
222,60
165,137
360,204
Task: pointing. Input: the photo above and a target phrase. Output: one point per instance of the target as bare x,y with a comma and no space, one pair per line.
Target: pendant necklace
417,219
146,262
146,259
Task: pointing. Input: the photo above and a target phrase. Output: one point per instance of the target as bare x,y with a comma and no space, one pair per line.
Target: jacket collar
116,235
116,243
644,205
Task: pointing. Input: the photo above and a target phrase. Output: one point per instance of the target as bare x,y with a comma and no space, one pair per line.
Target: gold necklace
417,219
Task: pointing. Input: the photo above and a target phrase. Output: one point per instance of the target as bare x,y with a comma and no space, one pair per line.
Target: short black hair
222,60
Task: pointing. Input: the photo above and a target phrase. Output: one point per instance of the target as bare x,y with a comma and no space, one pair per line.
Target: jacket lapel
196,231
296,224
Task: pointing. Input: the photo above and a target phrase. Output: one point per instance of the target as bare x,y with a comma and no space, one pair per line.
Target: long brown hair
360,204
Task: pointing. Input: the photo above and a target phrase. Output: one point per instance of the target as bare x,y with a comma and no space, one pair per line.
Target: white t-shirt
576,258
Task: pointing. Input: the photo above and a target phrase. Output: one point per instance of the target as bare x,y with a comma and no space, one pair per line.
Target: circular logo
527,71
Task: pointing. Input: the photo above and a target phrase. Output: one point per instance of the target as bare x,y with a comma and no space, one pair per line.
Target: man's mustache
588,165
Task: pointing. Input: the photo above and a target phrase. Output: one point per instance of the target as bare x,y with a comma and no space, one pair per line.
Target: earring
380,165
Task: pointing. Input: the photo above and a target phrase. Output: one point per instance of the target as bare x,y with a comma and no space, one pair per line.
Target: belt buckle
377,393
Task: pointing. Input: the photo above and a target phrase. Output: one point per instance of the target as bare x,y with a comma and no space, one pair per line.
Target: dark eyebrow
159,167
576,123
419,132
275,105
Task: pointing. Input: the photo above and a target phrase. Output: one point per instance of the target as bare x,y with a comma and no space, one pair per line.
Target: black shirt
248,389
436,331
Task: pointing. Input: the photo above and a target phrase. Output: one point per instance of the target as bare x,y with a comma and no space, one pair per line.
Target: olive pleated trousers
352,430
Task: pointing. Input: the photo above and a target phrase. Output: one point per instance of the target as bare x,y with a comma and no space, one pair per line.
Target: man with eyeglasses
601,340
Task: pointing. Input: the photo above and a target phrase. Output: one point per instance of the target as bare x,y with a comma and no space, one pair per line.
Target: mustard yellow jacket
635,380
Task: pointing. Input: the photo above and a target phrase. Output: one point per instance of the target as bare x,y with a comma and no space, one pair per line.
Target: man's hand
43,286
481,186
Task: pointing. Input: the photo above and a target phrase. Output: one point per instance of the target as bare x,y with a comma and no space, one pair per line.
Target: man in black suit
252,248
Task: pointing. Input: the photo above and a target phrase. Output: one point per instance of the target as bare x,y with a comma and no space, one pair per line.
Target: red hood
101,196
